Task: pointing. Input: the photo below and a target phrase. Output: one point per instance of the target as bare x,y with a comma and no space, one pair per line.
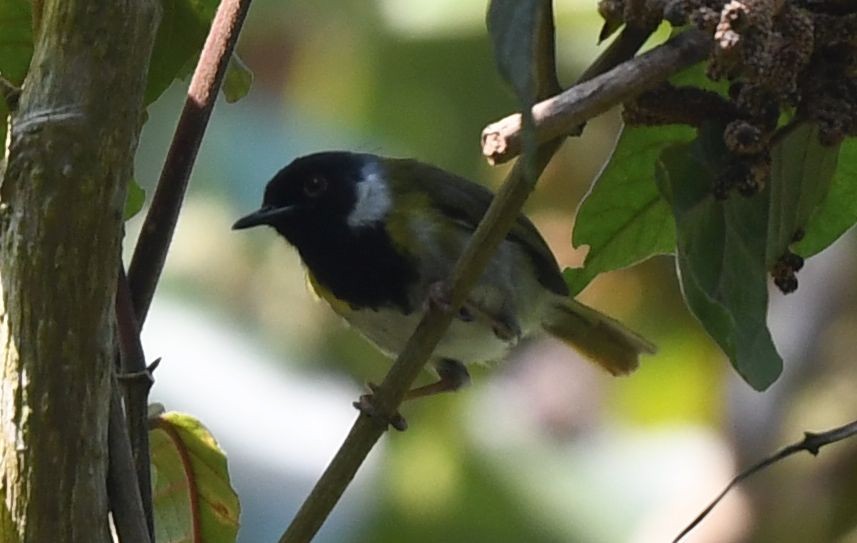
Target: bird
379,237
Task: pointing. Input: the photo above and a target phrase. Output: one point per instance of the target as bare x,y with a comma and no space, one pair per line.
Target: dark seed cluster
794,57
784,272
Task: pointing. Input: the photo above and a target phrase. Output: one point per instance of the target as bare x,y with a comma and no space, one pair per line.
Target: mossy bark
68,161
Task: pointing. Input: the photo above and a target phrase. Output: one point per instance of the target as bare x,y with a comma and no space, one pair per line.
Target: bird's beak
266,215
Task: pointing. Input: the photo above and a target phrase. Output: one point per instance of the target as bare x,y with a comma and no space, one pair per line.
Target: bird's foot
507,330
453,375
439,298
366,405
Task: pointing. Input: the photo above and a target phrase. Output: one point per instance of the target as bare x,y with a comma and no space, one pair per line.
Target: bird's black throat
360,266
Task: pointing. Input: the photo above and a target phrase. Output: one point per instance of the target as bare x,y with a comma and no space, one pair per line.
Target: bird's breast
389,330
361,269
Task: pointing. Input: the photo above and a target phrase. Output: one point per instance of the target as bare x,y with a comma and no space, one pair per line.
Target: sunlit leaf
193,499
721,256
801,172
838,211
624,219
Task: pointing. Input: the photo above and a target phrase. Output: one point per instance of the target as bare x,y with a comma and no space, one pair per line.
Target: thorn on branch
144,377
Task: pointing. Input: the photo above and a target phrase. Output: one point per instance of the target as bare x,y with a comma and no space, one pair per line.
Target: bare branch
811,443
387,397
562,114
123,488
160,223
138,381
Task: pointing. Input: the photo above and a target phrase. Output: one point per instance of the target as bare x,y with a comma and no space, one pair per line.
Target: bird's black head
322,190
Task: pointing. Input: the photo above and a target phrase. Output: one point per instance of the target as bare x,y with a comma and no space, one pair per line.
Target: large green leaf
181,34
193,499
801,173
523,35
721,255
624,219
838,211
180,38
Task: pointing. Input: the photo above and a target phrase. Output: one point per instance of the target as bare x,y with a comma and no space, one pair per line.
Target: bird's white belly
464,341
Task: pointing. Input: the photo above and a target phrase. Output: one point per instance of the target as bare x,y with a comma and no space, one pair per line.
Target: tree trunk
68,162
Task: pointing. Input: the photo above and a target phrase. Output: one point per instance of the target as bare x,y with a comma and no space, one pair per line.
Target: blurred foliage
16,39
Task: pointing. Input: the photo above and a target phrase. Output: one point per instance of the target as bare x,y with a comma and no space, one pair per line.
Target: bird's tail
600,338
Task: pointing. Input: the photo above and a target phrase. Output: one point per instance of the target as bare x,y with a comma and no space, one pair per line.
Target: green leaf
523,35
238,79
522,32
624,219
838,211
695,76
191,483
181,34
134,199
801,172
721,255
16,39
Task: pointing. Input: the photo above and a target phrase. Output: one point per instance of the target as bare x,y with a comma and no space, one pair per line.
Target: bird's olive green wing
466,202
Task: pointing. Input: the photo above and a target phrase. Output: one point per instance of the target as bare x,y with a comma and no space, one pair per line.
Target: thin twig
159,225
138,381
123,489
810,443
563,113
9,93
367,430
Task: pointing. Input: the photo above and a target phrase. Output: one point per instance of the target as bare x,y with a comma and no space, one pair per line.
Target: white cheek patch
373,198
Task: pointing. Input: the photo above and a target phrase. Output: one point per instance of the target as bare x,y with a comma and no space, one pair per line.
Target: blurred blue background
543,447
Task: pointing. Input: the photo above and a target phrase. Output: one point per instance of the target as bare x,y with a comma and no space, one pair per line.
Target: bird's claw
439,298
366,405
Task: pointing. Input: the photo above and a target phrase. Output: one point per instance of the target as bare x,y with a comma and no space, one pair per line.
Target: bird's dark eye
314,186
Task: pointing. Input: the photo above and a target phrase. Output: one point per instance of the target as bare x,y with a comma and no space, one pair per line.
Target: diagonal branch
123,489
492,229
160,223
138,381
134,293
562,114
812,442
